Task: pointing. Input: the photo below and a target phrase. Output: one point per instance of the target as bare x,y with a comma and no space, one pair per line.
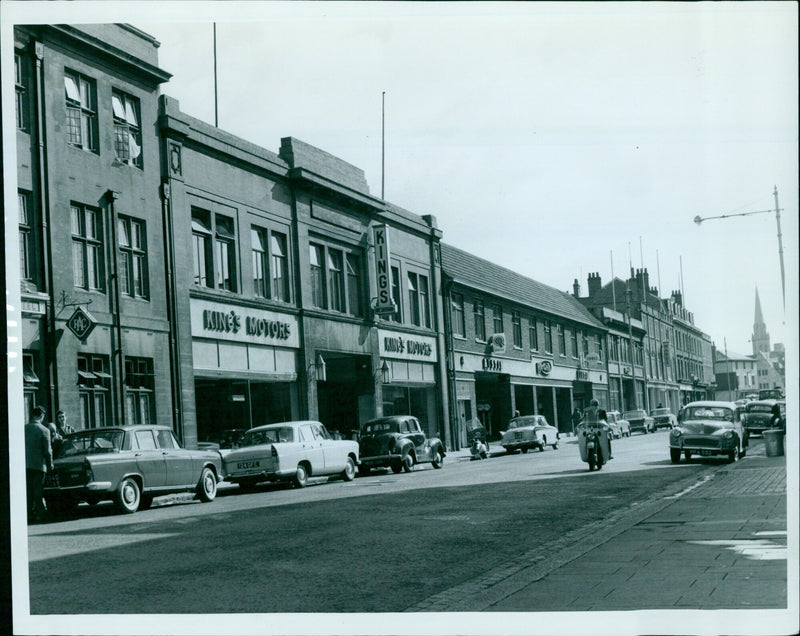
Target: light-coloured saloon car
289,451
529,431
623,427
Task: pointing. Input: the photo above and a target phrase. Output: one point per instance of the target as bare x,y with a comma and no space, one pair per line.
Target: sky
555,139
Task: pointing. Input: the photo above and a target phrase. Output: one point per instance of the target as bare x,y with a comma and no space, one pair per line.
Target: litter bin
773,442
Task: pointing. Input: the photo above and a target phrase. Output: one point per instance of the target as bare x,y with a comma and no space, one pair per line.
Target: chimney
677,298
646,278
594,283
576,288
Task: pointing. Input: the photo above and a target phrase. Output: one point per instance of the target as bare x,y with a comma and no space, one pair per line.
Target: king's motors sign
241,324
403,346
383,271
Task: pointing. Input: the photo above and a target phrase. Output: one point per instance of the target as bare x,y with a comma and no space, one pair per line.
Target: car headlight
727,434
676,432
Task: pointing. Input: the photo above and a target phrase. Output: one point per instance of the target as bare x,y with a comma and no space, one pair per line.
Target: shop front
245,368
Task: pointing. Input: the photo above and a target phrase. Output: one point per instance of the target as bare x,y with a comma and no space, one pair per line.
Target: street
386,542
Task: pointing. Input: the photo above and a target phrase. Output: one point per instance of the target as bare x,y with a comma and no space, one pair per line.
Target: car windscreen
719,413
90,443
657,412
633,415
759,408
373,428
519,422
281,434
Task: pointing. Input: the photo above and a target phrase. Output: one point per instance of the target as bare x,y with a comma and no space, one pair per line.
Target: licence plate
706,453
253,464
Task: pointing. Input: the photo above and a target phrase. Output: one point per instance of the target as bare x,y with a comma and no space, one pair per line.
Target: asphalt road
381,543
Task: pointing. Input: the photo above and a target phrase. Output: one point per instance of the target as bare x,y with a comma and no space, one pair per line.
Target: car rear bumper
375,461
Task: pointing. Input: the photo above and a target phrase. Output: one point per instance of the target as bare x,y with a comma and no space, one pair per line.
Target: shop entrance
493,397
348,379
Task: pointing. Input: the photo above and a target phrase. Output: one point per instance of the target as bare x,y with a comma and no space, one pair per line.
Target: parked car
289,451
528,431
128,465
708,428
639,420
757,415
614,419
397,442
663,418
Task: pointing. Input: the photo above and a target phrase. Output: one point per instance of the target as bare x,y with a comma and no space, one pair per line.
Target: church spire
760,337
759,319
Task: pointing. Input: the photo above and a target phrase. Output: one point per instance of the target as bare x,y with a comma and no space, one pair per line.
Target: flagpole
613,286
216,113
383,141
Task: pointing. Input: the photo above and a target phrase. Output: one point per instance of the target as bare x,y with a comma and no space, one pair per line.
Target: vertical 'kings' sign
383,271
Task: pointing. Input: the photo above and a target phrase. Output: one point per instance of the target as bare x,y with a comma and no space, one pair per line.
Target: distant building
736,375
771,363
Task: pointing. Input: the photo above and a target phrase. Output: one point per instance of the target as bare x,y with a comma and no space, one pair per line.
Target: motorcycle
477,438
594,445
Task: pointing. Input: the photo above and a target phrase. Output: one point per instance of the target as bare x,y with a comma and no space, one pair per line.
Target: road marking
771,533
49,547
755,549
690,488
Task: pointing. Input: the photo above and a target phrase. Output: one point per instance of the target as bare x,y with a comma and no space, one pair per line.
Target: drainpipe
112,196
447,288
44,217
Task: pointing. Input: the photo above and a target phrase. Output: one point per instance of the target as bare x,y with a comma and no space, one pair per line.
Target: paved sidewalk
718,543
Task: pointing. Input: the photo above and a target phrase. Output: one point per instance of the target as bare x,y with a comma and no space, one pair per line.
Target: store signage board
383,271
406,346
234,323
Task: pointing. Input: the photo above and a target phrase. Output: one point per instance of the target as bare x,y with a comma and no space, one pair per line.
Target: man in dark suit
38,460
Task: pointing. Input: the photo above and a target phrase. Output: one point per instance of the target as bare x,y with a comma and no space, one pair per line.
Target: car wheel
349,472
146,502
543,445
408,463
397,467
524,449
300,476
555,446
129,496
734,454
675,455
207,486
438,459
687,455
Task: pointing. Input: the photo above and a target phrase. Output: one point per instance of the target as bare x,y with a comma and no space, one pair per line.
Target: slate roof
472,271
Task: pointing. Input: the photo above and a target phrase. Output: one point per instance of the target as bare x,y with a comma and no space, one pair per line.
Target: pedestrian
58,431
516,413
576,419
38,461
776,421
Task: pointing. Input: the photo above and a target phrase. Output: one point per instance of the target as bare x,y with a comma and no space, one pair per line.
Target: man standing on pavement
38,460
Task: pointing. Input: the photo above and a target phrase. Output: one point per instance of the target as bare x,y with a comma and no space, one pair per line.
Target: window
562,341
479,319
21,86
516,325
548,337
139,386
133,257
280,266
258,246
497,323
418,307
127,129
585,339
574,342
270,264
87,248
599,346
457,314
27,268
81,111
397,315
336,279
533,334
94,383
214,267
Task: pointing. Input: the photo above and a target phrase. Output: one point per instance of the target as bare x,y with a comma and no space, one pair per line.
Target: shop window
127,129
533,334
94,387
81,101
548,337
418,307
562,341
21,92
336,279
87,248
133,257
27,258
497,322
479,319
270,264
139,391
516,329
457,315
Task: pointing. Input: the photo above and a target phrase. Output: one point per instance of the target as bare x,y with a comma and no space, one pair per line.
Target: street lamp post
777,211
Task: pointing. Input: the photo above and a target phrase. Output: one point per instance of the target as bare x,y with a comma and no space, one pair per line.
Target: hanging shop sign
81,323
383,271
243,324
405,346
544,367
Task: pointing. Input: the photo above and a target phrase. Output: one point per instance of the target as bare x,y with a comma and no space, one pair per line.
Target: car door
149,459
311,449
422,446
333,453
180,465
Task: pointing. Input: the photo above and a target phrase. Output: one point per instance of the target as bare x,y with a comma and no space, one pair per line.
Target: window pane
225,226
317,278
278,244
336,280
424,301
413,299
396,293
86,94
222,264
259,262
78,273
123,230
125,274
71,87
354,284
130,113
117,106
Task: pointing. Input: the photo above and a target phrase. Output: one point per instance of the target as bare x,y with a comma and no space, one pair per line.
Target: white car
289,451
529,431
621,427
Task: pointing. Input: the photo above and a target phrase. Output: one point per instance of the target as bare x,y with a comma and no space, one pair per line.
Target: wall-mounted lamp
384,371
317,369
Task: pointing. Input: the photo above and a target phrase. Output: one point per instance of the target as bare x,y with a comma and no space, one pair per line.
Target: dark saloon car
706,429
397,442
758,415
128,465
640,421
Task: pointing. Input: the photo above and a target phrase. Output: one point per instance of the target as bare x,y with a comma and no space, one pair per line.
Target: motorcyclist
592,420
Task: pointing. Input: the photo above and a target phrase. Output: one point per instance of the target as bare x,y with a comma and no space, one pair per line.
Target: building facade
736,375
514,344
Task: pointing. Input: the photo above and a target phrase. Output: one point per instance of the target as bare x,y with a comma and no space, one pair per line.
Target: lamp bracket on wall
65,301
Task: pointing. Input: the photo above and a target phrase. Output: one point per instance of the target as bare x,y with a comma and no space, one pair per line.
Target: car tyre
687,455
675,455
524,449
207,486
543,445
408,463
733,455
129,496
438,459
349,472
300,476
397,467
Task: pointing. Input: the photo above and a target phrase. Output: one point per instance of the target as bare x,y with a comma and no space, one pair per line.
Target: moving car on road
757,415
397,442
529,431
621,427
639,420
128,465
706,429
663,418
289,451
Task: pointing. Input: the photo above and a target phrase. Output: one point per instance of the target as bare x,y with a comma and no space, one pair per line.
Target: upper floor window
562,341
21,87
133,257
599,346
574,342
533,334
27,268
418,305
354,284
396,316
270,264
214,250
457,314
548,337
87,248
585,339
479,319
127,129
516,324
336,279
317,279
497,323
81,98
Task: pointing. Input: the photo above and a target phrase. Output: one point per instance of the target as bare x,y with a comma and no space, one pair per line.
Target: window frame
94,280
206,226
27,250
548,336
140,387
533,333
479,319
337,278
456,311
272,286
84,113
22,117
94,390
516,329
562,340
497,318
128,127
418,299
134,258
